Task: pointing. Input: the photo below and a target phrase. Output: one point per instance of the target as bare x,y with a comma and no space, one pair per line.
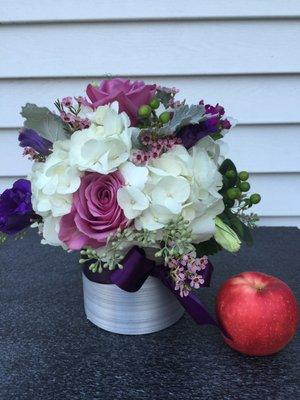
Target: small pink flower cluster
186,272
71,117
155,148
30,152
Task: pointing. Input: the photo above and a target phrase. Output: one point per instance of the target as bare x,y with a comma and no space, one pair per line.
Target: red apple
258,311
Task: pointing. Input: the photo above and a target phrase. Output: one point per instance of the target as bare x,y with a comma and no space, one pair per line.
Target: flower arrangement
131,167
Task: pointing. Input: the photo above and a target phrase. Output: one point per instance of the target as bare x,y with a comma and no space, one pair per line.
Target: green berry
255,198
144,111
164,117
243,175
154,103
230,174
233,193
244,186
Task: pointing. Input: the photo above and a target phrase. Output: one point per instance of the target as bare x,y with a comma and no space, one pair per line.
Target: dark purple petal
30,138
16,211
190,134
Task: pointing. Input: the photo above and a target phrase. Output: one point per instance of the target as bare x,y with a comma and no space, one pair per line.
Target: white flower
171,192
187,183
131,197
54,181
175,162
50,231
155,217
105,145
226,237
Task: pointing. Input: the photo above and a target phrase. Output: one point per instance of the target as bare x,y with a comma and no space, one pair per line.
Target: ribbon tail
191,304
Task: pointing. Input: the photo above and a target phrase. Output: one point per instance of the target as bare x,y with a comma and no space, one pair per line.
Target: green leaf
217,136
43,121
227,165
207,248
182,116
163,97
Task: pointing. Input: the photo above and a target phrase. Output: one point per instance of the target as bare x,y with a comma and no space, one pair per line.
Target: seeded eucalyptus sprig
3,238
114,251
176,240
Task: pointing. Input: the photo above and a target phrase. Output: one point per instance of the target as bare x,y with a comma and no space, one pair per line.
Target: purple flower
129,95
15,207
30,138
190,134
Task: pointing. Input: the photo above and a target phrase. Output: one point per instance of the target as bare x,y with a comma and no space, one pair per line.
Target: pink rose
129,95
95,212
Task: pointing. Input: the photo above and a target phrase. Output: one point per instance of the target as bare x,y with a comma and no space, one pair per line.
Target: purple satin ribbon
137,268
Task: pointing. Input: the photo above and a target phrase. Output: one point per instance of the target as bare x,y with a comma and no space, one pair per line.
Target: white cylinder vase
150,309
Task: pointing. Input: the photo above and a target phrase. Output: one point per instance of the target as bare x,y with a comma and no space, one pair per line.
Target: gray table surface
48,350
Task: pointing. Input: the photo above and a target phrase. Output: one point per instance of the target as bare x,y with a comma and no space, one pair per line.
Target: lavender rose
16,211
129,95
95,212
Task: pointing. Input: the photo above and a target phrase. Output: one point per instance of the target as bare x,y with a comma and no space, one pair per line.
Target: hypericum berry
233,193
164,117
144,111
154,103
243,175
255,198
230,174
244,186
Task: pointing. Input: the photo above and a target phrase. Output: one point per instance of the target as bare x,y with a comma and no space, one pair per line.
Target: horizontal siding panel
265,148
155,48
280,221
256,99
52,10
280,193
257,148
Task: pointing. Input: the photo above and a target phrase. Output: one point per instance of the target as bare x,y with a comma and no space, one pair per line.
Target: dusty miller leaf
183,115
43,121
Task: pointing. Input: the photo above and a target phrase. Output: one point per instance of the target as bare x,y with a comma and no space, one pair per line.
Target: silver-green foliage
43,121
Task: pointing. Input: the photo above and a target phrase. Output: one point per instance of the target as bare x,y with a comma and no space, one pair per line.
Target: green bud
164,117
144,111
230,174
154,103
244,186
255,198
243,175
226,237
233,193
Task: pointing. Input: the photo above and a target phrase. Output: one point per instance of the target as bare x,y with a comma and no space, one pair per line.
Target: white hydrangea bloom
131,197
184,182
54,181
50,231
105,145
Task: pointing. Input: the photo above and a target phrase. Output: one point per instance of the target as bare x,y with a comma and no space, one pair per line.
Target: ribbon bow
137,268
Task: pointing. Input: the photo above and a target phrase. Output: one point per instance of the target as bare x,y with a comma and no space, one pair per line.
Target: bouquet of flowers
131,167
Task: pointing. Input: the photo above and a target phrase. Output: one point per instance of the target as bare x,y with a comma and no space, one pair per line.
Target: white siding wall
244,54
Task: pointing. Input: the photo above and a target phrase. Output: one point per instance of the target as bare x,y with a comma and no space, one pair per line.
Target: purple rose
190,134
95,213
30,138
15,207
129,95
